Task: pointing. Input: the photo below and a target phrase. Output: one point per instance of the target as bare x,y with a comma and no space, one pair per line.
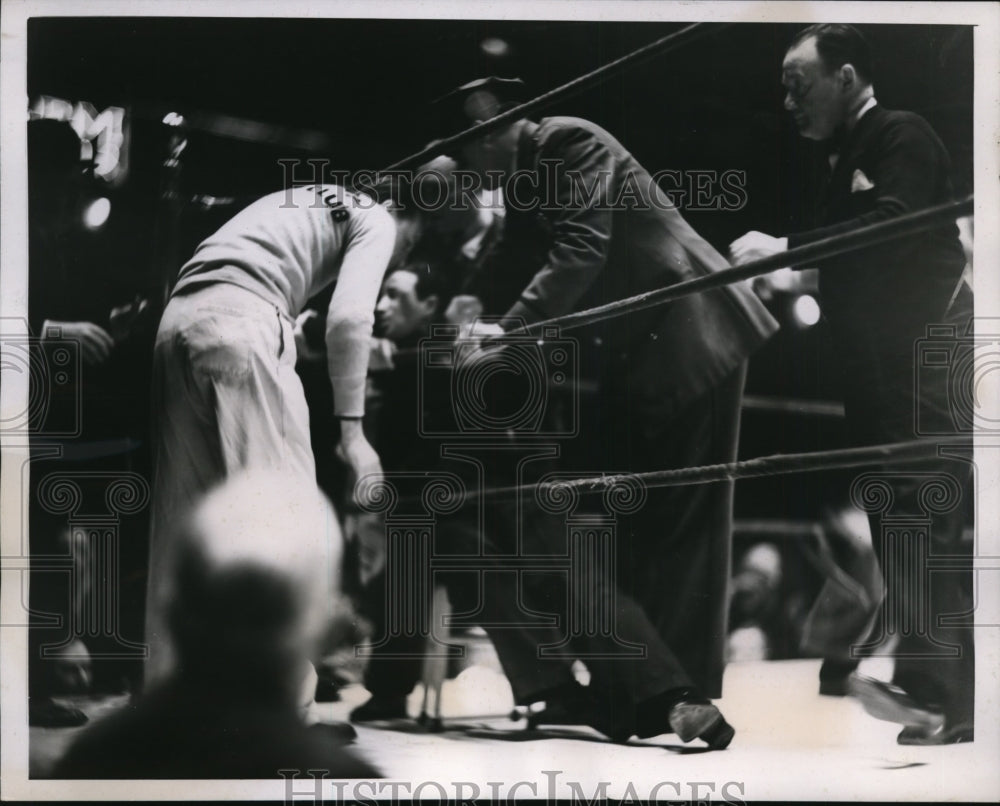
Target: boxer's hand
302,349
471,337
463,309
361,459
754,246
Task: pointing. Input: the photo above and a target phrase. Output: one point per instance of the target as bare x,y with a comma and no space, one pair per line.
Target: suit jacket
879,299
586,225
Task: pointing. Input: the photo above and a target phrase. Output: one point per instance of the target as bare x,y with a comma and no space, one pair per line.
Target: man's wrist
351,428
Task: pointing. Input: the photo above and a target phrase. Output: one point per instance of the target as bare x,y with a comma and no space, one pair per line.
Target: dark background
367,84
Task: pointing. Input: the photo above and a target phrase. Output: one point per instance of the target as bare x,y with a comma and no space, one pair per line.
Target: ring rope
798,257
780,405
663,45
758,467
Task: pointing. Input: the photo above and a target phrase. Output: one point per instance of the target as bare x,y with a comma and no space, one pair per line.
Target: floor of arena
791,743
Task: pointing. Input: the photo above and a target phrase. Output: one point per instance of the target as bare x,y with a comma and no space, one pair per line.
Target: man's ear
848,76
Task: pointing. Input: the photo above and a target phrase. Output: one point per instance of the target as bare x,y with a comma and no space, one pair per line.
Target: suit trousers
225,397
667,584
666,588
917,511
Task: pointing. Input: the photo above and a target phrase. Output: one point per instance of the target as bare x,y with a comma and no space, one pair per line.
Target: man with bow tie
879,303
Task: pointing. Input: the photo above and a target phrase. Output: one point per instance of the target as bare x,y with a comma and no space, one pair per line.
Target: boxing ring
411,522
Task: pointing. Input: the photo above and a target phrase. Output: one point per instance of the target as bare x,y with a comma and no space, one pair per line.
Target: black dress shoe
339,732
46,713
833,677
699,719
688,714
890,703
380,707
327,690
833,687
962,732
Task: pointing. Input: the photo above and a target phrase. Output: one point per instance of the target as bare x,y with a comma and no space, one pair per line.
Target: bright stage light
97,213
806,311
494,46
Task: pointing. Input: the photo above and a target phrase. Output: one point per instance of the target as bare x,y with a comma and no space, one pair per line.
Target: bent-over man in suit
585,225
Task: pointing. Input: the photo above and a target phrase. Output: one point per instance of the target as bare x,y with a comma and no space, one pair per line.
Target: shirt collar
869,104
835,143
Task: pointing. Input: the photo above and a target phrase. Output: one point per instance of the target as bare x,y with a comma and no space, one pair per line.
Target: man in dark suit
585,225
879,303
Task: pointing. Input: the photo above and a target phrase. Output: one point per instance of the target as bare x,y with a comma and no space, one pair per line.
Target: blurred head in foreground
252,589
254,585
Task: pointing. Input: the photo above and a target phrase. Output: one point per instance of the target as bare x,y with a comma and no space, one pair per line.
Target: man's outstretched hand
755,246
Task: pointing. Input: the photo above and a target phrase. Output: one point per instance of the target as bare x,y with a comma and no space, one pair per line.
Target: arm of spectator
95,342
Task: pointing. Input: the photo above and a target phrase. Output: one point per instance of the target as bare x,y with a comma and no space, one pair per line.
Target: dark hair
839,44
430,280
393,188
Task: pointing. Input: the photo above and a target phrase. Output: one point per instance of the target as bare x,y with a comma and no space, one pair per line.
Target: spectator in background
251,590
55,179
96,417
845,608
413,298
89,418
757,630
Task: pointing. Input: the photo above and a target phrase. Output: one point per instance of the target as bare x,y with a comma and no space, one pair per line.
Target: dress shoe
833,677
380,707
46,713
833,687
339,732
962,732
327,690
687,713
699,719
890,703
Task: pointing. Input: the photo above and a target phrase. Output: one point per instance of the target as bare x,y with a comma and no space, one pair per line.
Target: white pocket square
860,182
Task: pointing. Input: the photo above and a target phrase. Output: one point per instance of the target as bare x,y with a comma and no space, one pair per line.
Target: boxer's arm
351,314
